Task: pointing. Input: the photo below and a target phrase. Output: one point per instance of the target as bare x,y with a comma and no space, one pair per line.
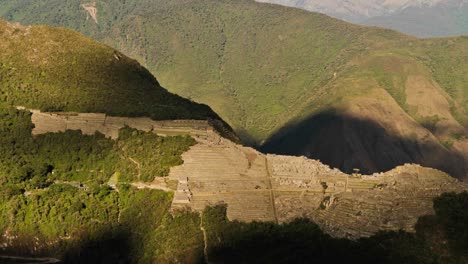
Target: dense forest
55,196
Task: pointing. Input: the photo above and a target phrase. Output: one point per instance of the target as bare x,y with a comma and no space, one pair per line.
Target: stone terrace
89,123
219,171
259,187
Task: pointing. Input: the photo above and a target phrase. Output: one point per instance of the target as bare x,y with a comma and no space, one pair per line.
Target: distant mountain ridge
422,18
354,10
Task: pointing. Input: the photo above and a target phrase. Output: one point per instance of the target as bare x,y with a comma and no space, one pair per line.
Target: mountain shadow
108,245
302,241
299,241
347,143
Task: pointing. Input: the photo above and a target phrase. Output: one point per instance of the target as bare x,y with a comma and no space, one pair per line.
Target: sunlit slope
59,70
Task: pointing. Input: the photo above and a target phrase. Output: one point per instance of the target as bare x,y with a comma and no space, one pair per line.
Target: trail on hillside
17,259
205,240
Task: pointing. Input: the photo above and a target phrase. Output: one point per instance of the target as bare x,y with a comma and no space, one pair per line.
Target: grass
59,70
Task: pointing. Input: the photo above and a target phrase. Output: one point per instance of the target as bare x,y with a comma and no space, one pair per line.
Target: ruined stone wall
89,123
356,205
260,187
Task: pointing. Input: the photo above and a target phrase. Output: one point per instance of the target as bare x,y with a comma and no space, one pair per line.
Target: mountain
54,193
422,18
47,69
447,18
290,81
91,187
354,10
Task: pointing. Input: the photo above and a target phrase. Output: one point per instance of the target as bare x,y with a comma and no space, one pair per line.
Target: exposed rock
92,10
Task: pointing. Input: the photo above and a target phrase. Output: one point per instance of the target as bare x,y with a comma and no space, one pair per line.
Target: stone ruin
183,195
259,187
90,123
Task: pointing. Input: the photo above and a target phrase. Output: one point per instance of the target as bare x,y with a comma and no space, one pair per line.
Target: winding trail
30,260
138,166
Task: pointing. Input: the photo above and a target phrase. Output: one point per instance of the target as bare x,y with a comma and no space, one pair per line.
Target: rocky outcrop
91,10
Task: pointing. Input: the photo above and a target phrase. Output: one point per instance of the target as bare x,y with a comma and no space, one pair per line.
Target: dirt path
205,239
272,194
138,166
17,259
142,185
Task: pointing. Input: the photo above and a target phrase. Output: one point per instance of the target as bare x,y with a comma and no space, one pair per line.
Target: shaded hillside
263,67
362,144
76,196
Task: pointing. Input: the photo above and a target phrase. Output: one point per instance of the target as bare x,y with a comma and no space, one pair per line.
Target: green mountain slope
55,197
60,70
267,69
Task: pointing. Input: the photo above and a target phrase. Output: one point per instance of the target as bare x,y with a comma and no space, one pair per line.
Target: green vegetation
71,156
265,68
60,70
152,154
53,189
54,196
